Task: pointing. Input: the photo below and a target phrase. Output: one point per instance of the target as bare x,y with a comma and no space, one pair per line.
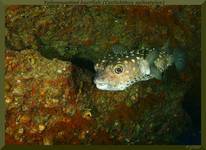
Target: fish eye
118,69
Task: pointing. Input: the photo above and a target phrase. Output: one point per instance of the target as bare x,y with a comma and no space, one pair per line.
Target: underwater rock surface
63,31
54,102
49,91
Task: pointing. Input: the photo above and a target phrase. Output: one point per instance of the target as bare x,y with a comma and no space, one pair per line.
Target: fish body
116,72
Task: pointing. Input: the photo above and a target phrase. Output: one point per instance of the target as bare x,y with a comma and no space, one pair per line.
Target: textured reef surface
49,91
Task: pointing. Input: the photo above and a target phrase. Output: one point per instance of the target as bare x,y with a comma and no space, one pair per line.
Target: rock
25,119
41,127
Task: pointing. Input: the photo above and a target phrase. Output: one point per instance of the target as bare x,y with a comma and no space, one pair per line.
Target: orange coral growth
151,100
79,122
114,40
10,140
68,129
87,42
162,15
101,137
185,77
122,112
33,90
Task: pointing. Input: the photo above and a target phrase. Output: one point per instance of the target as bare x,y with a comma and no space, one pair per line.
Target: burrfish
116,72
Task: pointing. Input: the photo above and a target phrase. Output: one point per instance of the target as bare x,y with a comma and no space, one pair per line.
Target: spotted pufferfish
116,72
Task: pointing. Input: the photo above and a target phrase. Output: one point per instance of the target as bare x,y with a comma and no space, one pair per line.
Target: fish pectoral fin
155,72
152,56
179,58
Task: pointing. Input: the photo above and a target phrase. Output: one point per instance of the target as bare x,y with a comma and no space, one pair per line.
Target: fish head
116,75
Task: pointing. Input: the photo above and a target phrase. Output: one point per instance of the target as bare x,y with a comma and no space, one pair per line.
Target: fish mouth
102,87
107,87
100,84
